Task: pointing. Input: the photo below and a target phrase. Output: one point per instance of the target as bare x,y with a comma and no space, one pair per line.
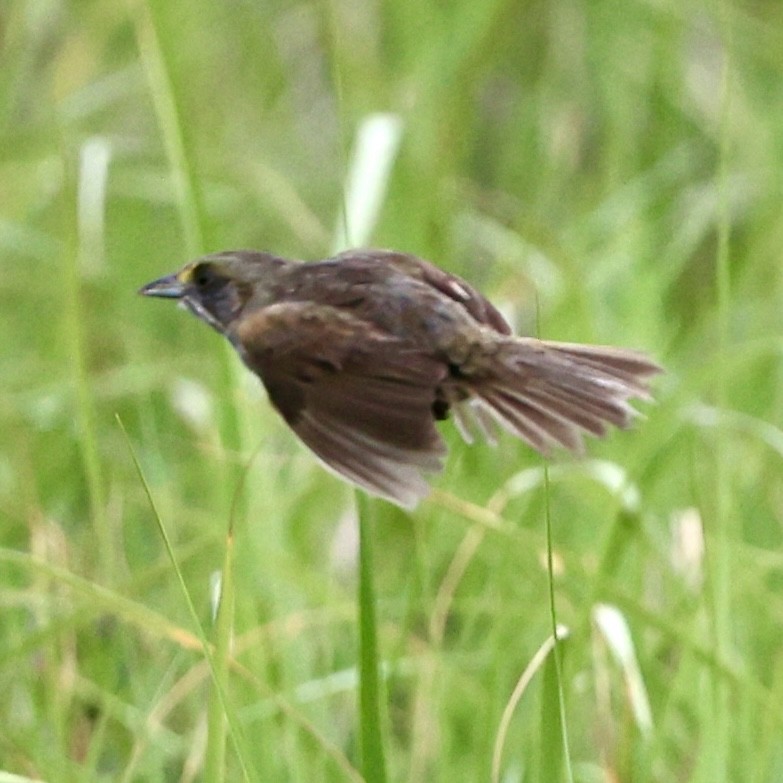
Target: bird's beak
169,287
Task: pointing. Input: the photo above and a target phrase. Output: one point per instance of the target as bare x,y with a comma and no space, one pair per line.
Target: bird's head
216,288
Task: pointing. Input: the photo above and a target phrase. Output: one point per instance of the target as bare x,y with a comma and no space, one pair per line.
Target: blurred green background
605,171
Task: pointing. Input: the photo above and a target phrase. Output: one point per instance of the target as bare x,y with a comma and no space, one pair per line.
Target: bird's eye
203,276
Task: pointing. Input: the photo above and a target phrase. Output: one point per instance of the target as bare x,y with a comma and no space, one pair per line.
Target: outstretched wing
361,399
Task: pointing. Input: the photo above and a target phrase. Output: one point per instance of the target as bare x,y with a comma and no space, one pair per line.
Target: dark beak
168,287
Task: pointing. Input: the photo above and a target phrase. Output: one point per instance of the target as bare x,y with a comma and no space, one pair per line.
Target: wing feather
361,399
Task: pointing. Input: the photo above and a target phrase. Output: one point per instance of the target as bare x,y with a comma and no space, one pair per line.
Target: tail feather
587,410
556,428
631,367
537,427
550,393
474,419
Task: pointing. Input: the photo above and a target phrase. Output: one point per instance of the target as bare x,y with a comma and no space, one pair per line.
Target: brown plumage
363,352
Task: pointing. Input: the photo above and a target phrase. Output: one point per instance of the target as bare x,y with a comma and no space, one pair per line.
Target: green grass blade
714,765
163,94
218,674
215,757
552,744
558,664
370,712
78,339
553,755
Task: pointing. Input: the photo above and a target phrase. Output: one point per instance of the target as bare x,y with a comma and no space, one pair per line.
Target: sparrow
362,353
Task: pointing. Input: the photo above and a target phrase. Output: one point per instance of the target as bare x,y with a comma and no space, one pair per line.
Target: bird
364,352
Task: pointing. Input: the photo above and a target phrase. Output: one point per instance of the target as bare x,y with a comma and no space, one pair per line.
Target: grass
606,172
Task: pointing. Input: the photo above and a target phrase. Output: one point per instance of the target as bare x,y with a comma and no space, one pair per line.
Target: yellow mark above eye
185,275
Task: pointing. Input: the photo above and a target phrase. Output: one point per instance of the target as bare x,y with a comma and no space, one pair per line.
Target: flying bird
364,352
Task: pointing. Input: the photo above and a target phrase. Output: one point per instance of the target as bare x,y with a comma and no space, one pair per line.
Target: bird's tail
550,393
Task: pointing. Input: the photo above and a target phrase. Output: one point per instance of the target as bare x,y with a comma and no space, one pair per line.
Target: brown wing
480,308
361,399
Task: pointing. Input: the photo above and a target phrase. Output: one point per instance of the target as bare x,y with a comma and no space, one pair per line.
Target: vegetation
607,172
